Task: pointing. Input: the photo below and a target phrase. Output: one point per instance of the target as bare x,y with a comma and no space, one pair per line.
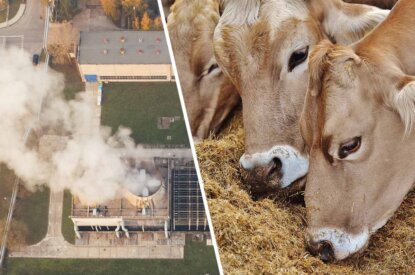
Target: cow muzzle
333,244
275,169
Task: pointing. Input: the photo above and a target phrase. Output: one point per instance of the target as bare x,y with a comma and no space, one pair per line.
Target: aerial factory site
96,169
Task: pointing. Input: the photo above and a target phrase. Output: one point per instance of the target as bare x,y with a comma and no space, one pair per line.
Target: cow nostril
325,251
274,169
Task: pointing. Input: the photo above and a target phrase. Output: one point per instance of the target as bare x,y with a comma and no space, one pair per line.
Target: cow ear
403,101
347,23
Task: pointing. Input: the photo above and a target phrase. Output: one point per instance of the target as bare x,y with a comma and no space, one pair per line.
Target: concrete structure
157,209
124,56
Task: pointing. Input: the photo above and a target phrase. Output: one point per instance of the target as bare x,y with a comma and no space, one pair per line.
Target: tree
145,22
66,9
157,23
136,23
130,4
111,8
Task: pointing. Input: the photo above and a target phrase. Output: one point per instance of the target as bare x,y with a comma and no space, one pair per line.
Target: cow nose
273,169
262,179
277,168
326,252
323,249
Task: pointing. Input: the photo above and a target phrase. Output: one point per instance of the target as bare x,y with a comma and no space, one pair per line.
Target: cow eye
212,68
297,58
349,147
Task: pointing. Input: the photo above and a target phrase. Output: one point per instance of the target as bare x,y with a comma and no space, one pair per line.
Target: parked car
35,59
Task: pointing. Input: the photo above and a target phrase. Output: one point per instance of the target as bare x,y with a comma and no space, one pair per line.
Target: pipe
117,231
125,230
152,207
78,235
166,234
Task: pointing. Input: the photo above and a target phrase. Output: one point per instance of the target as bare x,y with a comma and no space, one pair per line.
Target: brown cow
263,47
209,95
357,121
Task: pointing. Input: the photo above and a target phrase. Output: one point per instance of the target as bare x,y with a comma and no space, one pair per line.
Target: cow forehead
276,12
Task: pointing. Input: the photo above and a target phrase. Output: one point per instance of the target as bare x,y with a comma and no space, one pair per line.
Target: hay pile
266,236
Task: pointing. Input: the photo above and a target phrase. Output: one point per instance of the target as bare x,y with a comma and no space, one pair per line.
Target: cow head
357,121
209,96
263,47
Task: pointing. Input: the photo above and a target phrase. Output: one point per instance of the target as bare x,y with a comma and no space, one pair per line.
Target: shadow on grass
32,211
67,224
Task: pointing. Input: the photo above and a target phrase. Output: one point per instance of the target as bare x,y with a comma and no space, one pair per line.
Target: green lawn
67,224
199,259
6,187
139,106
14,7
32,210
73,82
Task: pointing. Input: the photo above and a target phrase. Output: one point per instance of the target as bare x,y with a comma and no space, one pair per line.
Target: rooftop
123,47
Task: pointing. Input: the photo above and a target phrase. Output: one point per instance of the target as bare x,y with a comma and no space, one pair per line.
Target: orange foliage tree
111,8
145,22
157,23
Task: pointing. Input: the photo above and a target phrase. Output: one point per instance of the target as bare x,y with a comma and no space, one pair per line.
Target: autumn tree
112,8
136,23
157,23
145,22
66,10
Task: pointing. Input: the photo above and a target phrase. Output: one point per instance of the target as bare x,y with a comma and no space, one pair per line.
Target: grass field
67,224
32,210
14,7
73,82
139,106
199,260
6,187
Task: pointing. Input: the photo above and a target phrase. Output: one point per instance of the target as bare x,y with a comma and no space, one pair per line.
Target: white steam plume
91,164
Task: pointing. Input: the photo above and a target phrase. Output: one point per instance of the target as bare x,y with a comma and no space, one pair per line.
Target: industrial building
188,212
123,56
174,206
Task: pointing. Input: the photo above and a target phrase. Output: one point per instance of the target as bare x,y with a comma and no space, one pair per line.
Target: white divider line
189,133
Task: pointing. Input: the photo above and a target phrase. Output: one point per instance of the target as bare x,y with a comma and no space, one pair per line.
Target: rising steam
90,162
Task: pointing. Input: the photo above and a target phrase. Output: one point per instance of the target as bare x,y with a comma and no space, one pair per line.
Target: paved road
29,27
52,250
55,215
55,246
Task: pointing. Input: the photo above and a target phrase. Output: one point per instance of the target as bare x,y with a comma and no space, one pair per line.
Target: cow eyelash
349,147
208,71
297,58
213,67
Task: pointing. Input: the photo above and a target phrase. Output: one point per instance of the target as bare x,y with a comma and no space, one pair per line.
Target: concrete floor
102,245
28,30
